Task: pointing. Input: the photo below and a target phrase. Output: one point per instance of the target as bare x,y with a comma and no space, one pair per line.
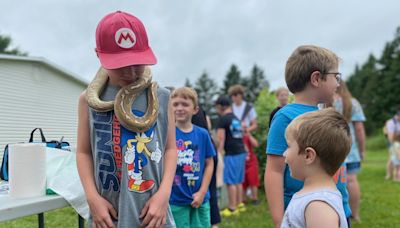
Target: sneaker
241,207
228,213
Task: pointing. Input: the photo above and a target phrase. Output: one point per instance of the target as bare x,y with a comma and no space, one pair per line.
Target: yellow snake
124,99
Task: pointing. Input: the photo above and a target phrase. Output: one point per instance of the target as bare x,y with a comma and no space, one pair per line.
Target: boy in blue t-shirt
190,197
312,76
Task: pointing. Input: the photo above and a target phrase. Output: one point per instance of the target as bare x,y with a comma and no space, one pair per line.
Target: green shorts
187,216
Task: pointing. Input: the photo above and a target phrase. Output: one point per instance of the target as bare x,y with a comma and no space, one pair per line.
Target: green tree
254,84
264,104
376,84
232,78
188,83
207,90
5,43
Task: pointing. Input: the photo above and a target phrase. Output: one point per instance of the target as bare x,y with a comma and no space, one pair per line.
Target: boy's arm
253,125
198,197
273,184
275,167
253,141
253,120
100,208
320,214
221,139
360,137
155,211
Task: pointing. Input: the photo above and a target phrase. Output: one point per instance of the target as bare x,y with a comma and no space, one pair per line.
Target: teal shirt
357,115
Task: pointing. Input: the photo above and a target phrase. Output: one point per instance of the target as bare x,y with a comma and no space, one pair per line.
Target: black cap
223,101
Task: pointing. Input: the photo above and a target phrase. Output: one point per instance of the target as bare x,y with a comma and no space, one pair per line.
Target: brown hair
236,89
304,61
327,132
345,94
186,93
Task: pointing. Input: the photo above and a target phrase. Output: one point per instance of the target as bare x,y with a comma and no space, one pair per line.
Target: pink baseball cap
121,40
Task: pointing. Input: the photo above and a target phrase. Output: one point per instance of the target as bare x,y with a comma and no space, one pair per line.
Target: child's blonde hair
327,132
304,61
280,90
186,93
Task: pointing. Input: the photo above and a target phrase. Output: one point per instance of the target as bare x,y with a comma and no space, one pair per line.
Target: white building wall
34,94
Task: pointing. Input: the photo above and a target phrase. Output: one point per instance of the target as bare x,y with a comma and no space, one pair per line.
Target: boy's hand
154,213
101,211
198,199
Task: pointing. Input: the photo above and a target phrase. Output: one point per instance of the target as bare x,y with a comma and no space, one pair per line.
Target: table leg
41,220
81,222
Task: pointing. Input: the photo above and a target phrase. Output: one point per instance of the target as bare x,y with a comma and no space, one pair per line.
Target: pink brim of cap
129,58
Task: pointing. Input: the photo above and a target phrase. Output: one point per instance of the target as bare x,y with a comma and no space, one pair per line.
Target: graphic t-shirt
193,149
233,134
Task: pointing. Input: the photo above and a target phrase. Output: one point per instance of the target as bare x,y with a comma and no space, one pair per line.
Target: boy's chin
182,119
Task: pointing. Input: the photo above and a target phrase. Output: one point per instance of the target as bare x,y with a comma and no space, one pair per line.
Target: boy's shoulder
200,130
226,116
291,111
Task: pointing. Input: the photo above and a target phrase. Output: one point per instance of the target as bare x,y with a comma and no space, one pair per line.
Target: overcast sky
190,37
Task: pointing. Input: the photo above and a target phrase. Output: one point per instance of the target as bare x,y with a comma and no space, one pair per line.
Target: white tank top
295,212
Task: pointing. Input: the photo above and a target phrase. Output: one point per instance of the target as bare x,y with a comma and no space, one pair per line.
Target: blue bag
53,144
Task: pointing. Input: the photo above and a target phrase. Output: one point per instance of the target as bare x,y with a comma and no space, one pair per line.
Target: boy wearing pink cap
126,152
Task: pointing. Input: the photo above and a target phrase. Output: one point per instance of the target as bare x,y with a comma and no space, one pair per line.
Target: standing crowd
165,174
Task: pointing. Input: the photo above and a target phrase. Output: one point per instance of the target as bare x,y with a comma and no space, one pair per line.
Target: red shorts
251,178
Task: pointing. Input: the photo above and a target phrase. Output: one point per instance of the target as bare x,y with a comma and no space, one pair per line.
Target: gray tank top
295,212
128,166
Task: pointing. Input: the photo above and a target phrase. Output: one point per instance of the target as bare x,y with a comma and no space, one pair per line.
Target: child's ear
315,78
196,110
310,155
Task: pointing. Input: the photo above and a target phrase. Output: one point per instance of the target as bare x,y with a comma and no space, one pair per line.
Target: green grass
380,204
61,218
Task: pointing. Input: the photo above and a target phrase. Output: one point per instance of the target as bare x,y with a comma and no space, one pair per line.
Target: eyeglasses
338,76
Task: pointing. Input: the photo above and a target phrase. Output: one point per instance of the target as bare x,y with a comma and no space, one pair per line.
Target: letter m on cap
125,38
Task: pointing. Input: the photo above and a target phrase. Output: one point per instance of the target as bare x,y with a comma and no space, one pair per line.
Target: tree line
376,84
208,90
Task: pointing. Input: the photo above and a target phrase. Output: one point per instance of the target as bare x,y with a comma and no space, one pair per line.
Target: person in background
230,140
352,112
282,95
393,135
247,114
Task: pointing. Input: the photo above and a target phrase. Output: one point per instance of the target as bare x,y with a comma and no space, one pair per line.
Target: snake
123,101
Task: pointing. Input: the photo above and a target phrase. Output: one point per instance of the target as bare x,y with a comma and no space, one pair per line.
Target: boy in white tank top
318,143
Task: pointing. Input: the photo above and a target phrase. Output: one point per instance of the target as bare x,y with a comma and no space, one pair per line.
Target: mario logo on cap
125,38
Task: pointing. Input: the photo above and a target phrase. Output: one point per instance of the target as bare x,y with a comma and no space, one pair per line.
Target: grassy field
380,205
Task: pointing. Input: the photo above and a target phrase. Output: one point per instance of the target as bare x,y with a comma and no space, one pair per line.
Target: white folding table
12,208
